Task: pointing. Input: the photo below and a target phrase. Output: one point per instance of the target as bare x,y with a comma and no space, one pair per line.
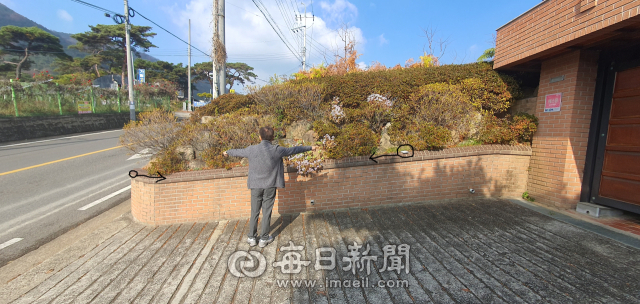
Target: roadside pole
132,107
13,97
189,71
214,72
59,101
222,82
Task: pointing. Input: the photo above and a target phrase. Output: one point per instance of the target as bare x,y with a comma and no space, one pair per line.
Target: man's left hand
225,153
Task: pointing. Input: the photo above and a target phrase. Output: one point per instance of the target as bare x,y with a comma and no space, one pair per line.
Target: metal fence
48,98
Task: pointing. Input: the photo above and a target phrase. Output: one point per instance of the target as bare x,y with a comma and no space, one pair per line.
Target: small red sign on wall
552,102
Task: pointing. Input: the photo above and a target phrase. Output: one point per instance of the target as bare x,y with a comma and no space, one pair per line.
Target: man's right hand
314,148
225,153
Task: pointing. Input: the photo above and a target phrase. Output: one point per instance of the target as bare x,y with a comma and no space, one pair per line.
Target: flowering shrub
377,111
311,162
337,114
77,79
42,76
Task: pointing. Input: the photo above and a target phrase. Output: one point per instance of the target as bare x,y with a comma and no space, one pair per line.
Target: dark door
617,176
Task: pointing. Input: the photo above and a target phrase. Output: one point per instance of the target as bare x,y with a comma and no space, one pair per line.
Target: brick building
587,52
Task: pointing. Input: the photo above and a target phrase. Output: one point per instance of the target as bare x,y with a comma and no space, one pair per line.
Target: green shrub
325,126
228,131
290,102
226,103
485,94
166,162
355,139
438,106
354,88
421,135
509,130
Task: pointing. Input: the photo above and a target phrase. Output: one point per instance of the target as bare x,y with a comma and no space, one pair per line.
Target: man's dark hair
266,133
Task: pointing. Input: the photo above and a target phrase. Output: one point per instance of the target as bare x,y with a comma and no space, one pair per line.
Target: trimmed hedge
354,88
225,104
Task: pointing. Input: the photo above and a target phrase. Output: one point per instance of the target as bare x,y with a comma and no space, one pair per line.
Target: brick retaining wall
211,195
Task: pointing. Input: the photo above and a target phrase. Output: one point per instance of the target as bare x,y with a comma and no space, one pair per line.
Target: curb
623,237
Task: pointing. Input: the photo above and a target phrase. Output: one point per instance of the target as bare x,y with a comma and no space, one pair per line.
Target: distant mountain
10,17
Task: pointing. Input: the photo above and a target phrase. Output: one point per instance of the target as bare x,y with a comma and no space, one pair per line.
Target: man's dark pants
261,198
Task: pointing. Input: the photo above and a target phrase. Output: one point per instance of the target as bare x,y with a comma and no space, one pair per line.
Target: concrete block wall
31,127
559,146
211,195
558,24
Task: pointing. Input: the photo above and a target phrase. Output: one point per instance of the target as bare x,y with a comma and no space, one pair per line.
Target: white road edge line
10,242
105,198
39,141
142,154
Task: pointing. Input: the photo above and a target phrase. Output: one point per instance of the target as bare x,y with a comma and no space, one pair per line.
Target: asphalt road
51,185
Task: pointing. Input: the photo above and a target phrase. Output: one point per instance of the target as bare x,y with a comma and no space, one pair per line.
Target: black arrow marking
397,153
135,174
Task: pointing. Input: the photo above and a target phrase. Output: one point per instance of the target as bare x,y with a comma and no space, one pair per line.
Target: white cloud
362,65
250,38
62,14
382,40
473,48
339,12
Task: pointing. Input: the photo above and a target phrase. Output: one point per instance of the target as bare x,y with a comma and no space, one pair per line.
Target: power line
193,47
242,8
133,14
274,26
95,6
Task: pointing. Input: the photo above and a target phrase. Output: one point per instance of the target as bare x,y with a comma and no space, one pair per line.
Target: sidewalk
459,251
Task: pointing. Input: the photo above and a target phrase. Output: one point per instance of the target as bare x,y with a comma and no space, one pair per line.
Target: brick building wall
213,195
556,24
560,144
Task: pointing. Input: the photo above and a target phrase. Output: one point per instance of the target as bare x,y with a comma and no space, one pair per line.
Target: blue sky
389,32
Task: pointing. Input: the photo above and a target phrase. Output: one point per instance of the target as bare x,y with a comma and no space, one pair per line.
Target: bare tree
434,48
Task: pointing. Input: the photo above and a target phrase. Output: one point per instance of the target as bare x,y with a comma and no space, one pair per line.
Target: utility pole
214,72
304,43
223,68
189,71
132,106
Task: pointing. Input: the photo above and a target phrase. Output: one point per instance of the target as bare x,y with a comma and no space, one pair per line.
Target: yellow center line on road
57,161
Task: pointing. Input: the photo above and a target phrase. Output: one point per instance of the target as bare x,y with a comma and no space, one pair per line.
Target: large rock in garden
310,137
298,129
385,140
196,164
186,152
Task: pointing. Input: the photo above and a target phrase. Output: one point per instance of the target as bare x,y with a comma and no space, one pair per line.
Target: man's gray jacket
266,169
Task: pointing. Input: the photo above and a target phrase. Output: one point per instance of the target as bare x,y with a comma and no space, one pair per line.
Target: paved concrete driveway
461,251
